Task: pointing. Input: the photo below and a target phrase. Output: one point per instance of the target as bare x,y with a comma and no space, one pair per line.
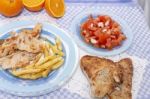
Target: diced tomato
83,26
116,33
115,25
86,24
102,18
87,40
116,29
91,33
94,37
97,32
102,32
103,38
93,28
108,32
89,25
86,33
109,44
83,32
123,36
111,24
96,21
113,37
115,43
119,40
102,46
107,17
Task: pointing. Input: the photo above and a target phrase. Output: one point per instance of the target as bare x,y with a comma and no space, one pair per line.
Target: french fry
26,71
26,76
36,76
29,66
38,57
49,69
55,50
45,60
46,52
31,76
33,64
49,63
58,43
57,65
46,72
59,52
51,52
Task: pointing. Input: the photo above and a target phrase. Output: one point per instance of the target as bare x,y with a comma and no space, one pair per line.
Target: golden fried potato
45,60
49,63
58,43
57,65
31,76
26,71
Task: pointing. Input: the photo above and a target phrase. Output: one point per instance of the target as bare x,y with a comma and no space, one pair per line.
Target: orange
55,8
34,5
10,8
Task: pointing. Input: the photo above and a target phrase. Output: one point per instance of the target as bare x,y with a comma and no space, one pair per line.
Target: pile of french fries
51,58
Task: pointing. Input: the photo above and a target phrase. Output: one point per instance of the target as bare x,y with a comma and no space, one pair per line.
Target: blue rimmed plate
57,78
83,16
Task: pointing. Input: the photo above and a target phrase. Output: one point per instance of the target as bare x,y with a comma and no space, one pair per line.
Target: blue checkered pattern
59,94
87,1
133,15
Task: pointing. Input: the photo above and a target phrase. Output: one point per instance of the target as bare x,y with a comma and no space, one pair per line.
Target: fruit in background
33,5
10,8
55,8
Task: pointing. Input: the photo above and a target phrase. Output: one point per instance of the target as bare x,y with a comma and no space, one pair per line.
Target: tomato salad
102,32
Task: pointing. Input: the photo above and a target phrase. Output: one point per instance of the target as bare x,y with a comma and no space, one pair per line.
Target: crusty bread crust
103,75
108,78
126,86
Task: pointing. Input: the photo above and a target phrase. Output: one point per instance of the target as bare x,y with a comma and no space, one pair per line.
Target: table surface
139,51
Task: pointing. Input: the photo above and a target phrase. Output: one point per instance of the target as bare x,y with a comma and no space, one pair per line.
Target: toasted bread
124,91
108,78
103,74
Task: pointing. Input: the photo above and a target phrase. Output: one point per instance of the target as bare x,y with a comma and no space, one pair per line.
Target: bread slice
103,74
124,90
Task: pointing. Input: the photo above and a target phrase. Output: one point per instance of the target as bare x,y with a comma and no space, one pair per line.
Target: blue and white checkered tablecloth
87,1
133,15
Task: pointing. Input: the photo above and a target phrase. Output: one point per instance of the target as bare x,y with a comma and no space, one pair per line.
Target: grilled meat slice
17,59
26,40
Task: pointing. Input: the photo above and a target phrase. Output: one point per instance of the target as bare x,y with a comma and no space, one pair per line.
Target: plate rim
62,82
90,49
